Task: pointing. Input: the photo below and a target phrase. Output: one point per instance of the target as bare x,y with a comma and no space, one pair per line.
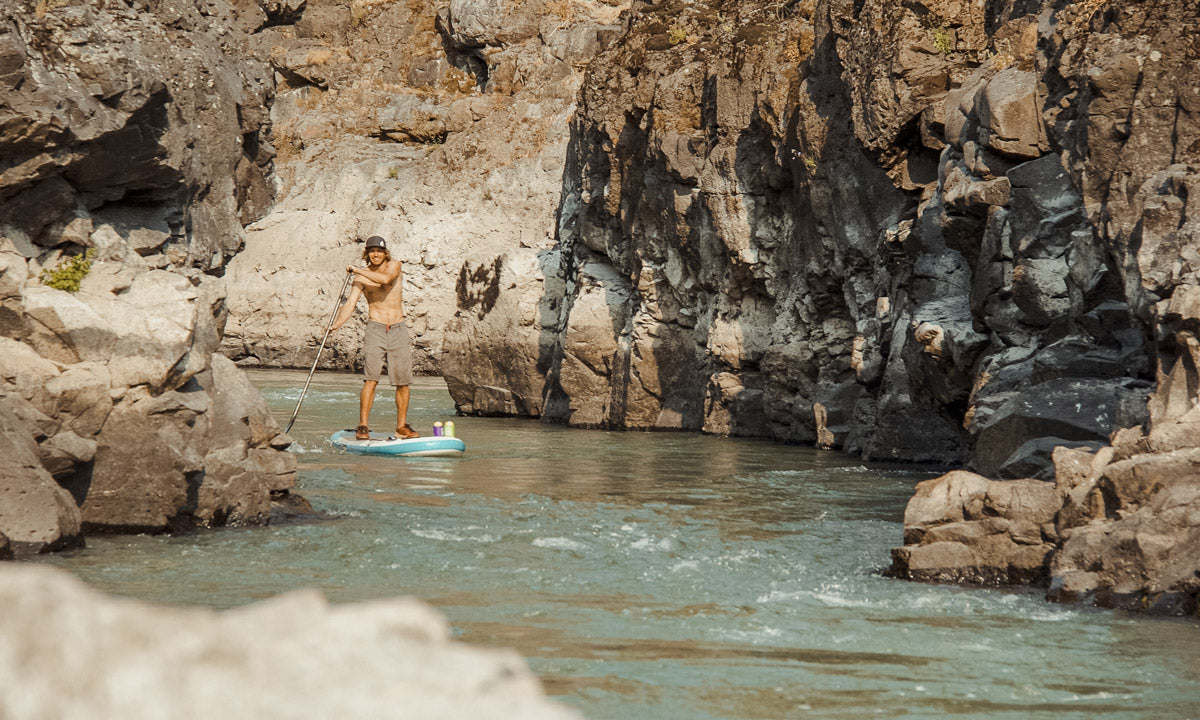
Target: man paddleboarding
386,335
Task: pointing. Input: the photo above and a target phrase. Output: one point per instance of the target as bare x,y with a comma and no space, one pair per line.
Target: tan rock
953,497
36,514
1010,110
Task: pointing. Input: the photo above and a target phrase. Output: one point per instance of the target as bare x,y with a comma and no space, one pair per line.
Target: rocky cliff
902,230
132,147
937,232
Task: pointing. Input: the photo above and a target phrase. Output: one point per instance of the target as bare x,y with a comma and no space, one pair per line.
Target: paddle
328,327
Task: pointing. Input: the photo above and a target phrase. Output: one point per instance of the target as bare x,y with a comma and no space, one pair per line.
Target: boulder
295,655
162,329
82,395
480,23
1073,409
36,514
962,527
62,327
1010,111
156,332
29,374
149,463
243,469
208,454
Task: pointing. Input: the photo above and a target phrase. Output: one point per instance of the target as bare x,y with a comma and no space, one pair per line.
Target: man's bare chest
383,292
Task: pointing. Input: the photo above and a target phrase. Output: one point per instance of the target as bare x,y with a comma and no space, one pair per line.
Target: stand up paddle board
381,444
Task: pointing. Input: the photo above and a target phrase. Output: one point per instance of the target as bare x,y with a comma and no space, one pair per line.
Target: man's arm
347,309
391,271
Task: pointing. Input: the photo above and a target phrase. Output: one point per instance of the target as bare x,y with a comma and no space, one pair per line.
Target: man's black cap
376,241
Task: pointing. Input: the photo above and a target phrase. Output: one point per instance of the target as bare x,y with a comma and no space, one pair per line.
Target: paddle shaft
317,359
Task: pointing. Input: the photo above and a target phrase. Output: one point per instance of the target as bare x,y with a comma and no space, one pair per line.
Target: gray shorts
391,341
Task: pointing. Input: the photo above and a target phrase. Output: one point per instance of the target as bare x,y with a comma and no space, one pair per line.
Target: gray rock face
899,233
129,129
294,655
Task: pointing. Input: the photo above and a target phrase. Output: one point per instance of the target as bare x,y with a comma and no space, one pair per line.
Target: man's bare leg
365,400
401,407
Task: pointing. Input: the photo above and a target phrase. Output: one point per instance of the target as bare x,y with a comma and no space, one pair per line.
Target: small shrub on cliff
942,42
69,272
676,35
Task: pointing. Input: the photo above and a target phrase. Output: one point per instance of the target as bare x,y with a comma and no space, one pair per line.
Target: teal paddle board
382,444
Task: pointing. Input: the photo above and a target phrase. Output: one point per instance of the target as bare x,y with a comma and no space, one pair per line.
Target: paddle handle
329,327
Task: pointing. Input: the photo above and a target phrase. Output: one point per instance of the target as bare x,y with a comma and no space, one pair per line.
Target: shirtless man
386,334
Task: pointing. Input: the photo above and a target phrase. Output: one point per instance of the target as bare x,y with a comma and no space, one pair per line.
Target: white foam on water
651,544
742,556
434,534
302,449
685,565
559,543
756,636
1040,615
780,596
312,396
832,598
442,535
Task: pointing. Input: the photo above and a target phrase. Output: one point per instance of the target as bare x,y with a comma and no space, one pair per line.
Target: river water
655,576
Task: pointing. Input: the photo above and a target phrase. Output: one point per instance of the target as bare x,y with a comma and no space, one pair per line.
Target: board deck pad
385,444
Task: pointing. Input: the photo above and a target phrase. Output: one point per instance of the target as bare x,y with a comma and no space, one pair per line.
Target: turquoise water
663,575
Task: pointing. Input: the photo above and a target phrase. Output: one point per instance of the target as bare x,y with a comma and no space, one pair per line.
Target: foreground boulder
69,649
